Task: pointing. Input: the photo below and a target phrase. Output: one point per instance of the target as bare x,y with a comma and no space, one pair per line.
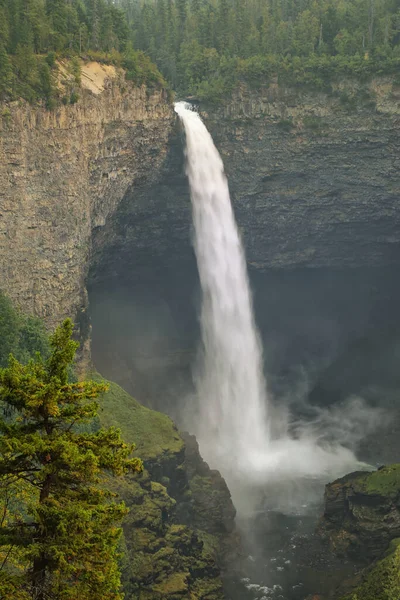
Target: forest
201,47
35,33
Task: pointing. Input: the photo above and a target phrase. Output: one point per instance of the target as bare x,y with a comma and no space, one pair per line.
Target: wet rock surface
361,514
180,534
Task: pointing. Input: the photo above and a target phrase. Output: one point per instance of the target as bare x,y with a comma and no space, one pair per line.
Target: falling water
233,406
235,429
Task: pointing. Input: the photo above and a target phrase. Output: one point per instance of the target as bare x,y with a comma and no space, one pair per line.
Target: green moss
174,584
315,124
153,433
383,581
286,124
207,589
147,514
210,545
161,559
385,482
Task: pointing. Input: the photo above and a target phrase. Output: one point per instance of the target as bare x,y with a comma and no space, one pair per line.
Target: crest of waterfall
234,426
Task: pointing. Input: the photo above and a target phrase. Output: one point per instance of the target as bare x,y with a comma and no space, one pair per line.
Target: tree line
203,46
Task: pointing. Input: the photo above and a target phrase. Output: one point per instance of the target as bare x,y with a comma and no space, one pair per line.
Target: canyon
95,223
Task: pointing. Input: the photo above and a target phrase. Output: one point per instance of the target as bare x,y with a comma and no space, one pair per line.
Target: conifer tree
59,527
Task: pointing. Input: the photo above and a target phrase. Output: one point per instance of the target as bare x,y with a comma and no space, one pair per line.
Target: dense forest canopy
200,46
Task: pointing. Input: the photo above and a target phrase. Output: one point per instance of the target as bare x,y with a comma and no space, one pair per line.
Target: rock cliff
100,185
362,513
313,178
62,174
180,534
314,175
361,525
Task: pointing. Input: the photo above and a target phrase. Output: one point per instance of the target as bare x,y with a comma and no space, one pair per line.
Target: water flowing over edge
235,427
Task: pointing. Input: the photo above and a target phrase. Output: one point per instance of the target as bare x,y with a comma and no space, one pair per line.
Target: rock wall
314,178
361,515
361,528
179,535
62,174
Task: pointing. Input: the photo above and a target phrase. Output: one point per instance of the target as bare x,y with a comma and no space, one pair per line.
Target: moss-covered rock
155,435
362,514
382,581
181,517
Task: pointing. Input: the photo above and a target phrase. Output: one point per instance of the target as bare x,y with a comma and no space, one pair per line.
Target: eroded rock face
314,177
62,174
314,180
362,513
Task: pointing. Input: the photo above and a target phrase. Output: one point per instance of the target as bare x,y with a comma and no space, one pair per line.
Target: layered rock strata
62,174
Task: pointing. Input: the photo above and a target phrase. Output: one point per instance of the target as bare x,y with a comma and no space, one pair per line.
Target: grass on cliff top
382,582
153,433
385,481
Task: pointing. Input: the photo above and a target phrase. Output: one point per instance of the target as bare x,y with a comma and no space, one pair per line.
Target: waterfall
235,428
233,408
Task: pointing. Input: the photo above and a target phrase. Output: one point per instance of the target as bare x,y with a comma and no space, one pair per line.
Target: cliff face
314,175
62,174
314,179
180,532
361,515
361,526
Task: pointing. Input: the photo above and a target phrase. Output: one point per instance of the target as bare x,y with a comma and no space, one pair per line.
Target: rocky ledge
361,523
361,514
180,532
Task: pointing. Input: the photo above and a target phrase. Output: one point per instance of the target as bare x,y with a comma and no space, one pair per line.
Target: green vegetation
382,582
59,529
202,47
385,481
206,47
154,433
35,33
162,558
20,335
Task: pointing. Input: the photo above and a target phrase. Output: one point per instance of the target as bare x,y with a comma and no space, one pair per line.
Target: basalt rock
99,186
313,178
362,513
314,175
62,175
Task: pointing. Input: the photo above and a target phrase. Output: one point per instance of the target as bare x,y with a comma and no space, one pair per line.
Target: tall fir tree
59,540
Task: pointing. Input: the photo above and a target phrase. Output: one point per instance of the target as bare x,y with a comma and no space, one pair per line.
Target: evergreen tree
59,540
